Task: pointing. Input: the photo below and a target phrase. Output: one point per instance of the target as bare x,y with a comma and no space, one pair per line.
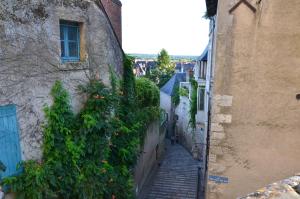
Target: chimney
113,9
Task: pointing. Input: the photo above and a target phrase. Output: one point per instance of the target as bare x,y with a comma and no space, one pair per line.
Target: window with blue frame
70,41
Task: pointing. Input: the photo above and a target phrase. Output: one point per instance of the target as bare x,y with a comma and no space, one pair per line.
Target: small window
69,41
201,98
202,71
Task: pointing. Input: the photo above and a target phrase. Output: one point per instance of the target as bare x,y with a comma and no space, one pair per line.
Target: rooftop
203,56
169,87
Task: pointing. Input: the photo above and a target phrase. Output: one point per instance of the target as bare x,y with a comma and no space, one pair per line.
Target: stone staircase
176,178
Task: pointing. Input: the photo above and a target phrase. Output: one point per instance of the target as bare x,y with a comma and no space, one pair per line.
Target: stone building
167,94
254,128
194,139
42,41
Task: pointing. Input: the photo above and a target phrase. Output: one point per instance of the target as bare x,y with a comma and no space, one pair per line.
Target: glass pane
72,33
62,47
73,49
202,94
61,33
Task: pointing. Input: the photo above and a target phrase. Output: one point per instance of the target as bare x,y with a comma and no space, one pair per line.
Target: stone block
217,136
225,100
215,142
222,118
216,150
216,168
217,127
212,158
216,108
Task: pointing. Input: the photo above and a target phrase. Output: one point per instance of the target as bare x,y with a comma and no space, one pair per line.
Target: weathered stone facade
254,137
30,58
151,154
284,189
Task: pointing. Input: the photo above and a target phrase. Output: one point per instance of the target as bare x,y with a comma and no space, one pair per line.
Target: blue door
10,153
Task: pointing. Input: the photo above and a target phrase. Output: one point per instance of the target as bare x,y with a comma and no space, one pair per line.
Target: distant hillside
173,57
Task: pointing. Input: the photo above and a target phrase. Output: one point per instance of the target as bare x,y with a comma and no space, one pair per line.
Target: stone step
176,178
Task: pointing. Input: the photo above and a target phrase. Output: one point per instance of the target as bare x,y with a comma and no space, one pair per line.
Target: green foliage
100,128
128,90
35,182
91,155
176,98
163,60
184,92
113,79
147,93
163,71
193,105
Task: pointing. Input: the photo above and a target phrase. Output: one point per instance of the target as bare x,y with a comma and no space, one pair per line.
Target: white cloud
177,25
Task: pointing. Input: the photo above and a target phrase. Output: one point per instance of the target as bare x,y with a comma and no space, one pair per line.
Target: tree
163,59
164,69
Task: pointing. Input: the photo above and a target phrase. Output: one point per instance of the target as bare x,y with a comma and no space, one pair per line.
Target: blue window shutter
10,153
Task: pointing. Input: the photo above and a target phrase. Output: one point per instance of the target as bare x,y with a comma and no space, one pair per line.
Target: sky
176,25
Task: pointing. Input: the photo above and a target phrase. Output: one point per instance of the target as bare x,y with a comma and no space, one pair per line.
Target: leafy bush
90,155
35,182
193,106
147,93
184,92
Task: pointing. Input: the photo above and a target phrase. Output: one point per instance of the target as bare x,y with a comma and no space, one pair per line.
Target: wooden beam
249,5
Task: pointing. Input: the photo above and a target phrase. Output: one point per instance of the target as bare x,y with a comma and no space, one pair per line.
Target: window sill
73,65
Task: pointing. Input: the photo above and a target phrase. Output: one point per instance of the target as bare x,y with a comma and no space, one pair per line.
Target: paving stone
176,178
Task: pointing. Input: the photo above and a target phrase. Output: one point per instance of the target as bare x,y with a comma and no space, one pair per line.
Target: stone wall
30,60
166,104
284,189
254,138
192,139
185,135
151,154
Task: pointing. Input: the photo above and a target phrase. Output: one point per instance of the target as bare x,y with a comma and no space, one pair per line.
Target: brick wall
113,9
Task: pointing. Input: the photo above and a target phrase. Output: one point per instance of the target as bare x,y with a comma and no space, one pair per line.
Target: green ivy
184,92
91,155
193,104
176,97
147,93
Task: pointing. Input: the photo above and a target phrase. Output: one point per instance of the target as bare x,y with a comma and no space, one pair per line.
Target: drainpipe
211,81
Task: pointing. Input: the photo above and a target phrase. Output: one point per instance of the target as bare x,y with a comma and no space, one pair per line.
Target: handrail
198,183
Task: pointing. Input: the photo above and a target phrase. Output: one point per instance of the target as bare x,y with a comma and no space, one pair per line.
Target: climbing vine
193,104
176,97
91,155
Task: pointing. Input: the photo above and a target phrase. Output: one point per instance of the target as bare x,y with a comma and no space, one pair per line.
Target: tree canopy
164,70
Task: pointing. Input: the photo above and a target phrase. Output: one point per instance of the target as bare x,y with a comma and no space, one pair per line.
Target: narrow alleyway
176,178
